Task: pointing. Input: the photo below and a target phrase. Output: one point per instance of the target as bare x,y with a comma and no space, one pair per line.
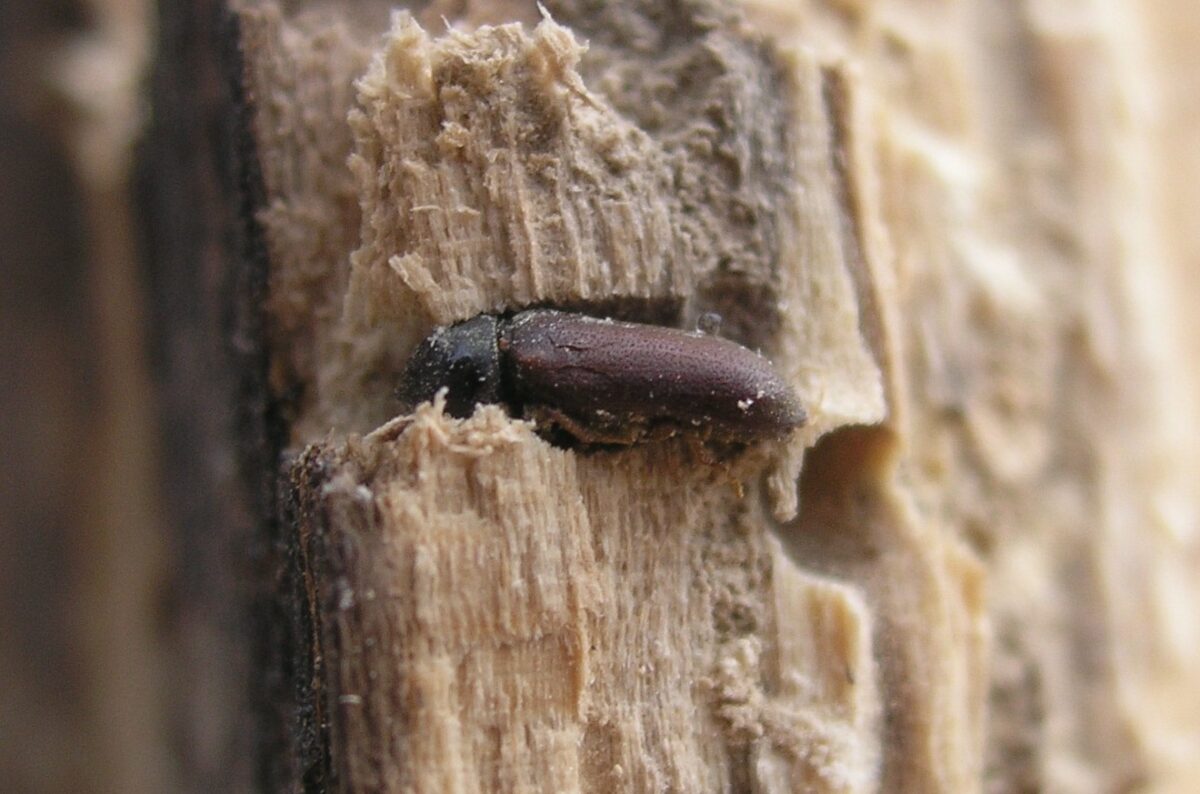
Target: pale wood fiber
935,216
627,632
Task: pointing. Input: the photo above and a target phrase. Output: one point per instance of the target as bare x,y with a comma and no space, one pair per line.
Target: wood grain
974,571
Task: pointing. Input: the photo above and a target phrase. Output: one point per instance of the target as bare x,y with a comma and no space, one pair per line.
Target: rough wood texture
936,217
500,622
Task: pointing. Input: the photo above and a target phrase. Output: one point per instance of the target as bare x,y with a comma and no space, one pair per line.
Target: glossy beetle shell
601,372
604,381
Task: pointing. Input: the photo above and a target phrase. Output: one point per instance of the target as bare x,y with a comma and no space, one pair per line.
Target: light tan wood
937,218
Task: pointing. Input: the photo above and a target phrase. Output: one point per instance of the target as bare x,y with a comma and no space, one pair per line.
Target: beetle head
463,358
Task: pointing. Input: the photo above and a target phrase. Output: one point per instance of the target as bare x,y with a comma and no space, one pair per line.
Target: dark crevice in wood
198,188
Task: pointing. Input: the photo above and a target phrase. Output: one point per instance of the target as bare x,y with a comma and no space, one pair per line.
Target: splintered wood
502,615
975,569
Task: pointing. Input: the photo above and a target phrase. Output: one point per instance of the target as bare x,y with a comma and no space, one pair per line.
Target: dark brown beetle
603,381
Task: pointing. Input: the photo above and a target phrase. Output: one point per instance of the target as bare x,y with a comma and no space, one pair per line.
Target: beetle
602,381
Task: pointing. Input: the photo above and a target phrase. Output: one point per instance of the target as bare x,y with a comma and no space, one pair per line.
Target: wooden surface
81,550
964,231
197,188
936,218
